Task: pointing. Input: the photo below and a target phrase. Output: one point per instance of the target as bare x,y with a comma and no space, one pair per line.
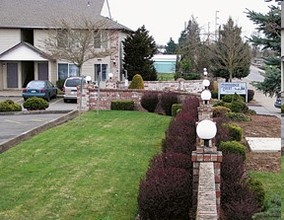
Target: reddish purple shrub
222,131
181,134
167,99
171,160
237,201
165,194
242,205
190,105
149,101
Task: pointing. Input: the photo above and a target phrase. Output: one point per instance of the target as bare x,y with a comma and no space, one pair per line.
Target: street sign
227,88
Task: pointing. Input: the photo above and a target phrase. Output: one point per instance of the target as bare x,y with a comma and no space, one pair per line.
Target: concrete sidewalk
10,93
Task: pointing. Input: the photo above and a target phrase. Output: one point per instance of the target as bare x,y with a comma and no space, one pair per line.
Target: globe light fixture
206,83
88,79
206,95
205,73
110,75
206,130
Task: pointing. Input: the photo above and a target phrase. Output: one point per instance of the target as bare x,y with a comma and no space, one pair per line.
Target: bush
127,105
165,194
237,116
257,187
171,160
235,132
60,83
282,108
220,111
9,106
167,100
238,106
272,210
232,97
222,131
233,147
181,134
137,82
35,103
176,108
237,200
149,101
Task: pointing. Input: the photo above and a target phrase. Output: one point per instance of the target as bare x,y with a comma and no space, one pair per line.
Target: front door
43,71
12,75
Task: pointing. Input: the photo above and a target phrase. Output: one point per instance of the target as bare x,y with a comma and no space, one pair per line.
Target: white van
70,88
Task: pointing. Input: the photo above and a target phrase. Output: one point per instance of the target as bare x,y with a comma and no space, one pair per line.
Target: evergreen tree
139,48
188,47
171,47
270,25
230,56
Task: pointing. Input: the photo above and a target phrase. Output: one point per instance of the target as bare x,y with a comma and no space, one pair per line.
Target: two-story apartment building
23,29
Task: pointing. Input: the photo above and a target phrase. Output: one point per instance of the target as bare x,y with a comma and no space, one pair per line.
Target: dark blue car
40,88
277,103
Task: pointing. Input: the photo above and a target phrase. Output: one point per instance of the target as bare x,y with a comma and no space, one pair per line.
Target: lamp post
206,130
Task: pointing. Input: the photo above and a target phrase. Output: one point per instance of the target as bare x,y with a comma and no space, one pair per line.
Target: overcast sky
164,18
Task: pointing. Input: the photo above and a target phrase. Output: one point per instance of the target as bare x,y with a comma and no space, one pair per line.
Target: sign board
239,88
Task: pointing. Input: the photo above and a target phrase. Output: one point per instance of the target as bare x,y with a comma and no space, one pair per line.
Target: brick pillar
200,156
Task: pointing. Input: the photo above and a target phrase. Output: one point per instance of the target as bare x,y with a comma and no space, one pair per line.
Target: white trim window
66,70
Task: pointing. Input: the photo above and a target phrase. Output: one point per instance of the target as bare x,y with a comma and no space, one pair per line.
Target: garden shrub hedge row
159,103
9,106
127,105
166,190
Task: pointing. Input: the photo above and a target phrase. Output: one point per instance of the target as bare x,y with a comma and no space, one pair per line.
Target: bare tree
78,42
230,55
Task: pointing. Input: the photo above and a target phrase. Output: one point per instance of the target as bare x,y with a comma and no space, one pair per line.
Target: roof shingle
44,13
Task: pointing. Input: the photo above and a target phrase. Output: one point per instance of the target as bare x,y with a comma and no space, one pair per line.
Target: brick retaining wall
100,99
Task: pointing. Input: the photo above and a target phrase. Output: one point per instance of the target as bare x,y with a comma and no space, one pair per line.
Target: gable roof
24,51
44,13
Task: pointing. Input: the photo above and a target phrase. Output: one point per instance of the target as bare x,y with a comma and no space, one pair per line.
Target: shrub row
166,190
127,105
9,106
159,103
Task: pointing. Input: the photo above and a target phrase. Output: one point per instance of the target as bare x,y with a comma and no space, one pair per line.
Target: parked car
70,88
40,88
277,103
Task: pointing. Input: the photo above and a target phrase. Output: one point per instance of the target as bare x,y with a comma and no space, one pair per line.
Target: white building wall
9,38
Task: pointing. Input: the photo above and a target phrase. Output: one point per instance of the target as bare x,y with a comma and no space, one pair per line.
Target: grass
166,76
273,185
88,168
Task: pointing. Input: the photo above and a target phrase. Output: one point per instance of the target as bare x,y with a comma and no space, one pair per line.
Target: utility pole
216,24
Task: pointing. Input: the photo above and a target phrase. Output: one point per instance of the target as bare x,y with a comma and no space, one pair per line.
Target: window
101,39
66,70
100,68
62,39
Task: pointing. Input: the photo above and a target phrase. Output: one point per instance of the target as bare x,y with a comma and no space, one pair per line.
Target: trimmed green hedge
233,147
122,105
9,106
36,103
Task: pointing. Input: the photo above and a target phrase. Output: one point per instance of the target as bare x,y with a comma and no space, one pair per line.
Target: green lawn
88,168
166,76
273,184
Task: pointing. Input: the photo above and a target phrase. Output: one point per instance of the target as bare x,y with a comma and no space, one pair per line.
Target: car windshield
36,84
73,82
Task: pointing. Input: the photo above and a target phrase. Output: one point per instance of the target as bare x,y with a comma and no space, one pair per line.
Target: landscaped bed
89,168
